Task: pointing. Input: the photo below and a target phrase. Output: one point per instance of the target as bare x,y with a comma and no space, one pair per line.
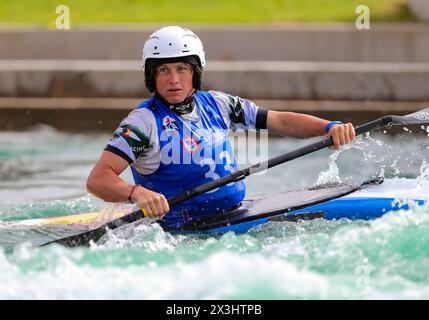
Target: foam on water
319,259
382,259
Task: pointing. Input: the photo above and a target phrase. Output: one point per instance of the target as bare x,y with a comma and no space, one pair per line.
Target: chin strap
184,107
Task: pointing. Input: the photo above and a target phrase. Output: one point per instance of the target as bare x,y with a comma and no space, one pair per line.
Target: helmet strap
184,107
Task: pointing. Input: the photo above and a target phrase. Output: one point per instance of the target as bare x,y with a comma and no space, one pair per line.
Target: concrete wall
101,114
331,61
330,42
89,79
420,8
254,80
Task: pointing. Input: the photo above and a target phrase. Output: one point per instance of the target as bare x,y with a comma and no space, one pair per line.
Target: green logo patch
137,140
236,111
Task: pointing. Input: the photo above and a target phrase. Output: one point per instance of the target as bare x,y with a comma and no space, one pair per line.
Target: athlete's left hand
342,134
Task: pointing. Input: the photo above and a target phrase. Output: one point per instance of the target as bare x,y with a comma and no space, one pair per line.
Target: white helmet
173,42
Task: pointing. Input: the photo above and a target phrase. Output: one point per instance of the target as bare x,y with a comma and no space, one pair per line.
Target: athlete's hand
342,134
155,204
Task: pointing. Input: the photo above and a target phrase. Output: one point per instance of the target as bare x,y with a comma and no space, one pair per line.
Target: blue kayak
365,200
355,201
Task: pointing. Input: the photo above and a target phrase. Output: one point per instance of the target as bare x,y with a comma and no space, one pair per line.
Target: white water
44,172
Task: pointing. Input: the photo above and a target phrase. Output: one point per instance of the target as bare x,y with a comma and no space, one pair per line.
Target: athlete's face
174,81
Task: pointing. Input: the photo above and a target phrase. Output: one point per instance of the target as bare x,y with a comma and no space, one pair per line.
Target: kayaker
178,139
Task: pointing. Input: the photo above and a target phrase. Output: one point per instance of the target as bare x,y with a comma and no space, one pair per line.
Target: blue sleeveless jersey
192,153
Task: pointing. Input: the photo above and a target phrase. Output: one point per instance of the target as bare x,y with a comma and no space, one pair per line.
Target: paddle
84,238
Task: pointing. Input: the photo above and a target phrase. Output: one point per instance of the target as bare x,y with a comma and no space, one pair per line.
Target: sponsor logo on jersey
136,139
190,144
169,124
123,132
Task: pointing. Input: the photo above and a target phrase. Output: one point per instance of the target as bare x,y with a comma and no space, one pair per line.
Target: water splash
34,210
332,174
423,178
108,212
319,259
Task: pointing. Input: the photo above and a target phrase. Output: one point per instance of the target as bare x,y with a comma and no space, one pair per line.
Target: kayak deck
281,203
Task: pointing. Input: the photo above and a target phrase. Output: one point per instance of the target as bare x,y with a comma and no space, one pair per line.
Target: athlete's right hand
155,204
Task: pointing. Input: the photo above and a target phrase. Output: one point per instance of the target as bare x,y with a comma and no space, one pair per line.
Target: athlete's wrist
131,198
330,124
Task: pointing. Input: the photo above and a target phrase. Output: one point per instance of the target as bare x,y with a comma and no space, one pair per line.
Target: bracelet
132,189
330,124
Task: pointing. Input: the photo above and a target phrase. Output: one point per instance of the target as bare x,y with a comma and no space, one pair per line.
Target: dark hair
152,65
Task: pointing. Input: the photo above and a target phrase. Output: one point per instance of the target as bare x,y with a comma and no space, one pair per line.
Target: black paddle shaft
420,117
241,174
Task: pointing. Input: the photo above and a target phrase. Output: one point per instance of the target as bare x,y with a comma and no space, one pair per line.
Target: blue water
43,173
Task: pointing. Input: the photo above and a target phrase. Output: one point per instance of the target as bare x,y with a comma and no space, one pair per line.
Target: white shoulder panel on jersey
137,137
237,112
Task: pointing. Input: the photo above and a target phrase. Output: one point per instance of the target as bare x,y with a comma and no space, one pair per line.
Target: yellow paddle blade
144,212
87,218
80,218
